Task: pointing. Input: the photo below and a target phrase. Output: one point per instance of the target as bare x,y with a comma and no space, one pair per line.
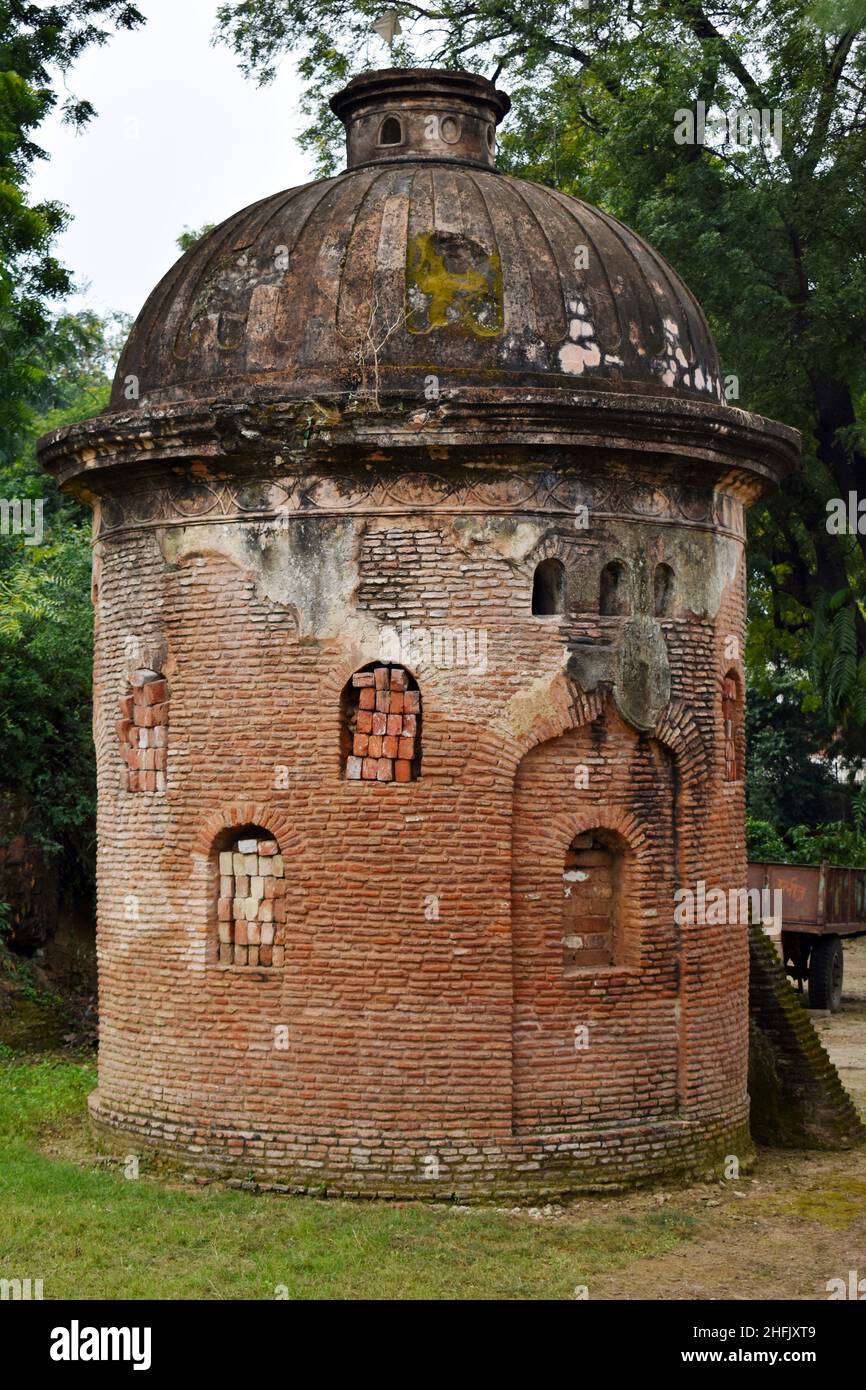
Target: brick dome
422,245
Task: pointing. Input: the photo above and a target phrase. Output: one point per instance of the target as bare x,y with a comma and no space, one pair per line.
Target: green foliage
189,236
52,371
836,842
37,42
772,241
791,747
45,616
763,841
45,645
17,971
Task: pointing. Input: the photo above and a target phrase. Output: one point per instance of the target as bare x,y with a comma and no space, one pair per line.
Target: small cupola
420,113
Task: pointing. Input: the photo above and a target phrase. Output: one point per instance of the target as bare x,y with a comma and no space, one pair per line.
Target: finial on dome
420,113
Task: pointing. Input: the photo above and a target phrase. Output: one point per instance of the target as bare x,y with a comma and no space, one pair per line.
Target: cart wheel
826,967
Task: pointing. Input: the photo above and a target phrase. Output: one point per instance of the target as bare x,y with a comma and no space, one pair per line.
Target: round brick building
419,588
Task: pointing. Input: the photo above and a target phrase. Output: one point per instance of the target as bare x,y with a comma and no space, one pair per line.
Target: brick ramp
798,1100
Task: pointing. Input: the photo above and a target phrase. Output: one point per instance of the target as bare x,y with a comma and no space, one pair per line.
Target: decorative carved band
561,495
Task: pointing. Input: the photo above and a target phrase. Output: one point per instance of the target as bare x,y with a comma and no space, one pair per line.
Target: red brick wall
420,1034
627,1065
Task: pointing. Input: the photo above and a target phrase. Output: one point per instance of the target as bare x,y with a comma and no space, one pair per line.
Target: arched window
613,591
663,591
548,588
592,891
732,718
142,732
391,132
251,908
382,725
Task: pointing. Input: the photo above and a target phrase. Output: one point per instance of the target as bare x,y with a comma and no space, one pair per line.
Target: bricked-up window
591,883
548,588
142,731
732,716
663,591
613,590
251,911
382,723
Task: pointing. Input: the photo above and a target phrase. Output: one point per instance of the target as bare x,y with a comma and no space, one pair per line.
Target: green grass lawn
88,1232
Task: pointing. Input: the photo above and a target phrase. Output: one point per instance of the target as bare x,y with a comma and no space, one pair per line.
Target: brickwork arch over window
732,716
382,725
548,588
594,887
664,588
142,732
251,908
613,590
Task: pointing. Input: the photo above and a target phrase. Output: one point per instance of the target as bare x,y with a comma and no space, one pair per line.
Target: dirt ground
795,1222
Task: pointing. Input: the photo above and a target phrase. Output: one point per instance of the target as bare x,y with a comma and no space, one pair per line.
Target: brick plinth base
466,1168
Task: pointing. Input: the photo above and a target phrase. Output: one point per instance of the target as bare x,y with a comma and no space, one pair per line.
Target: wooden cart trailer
820,903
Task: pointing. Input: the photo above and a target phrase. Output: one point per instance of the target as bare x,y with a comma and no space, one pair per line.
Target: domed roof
420,260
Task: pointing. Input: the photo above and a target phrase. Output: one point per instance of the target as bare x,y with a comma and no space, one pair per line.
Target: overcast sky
181,138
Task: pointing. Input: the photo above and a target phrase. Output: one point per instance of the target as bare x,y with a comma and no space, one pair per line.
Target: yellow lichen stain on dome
453,282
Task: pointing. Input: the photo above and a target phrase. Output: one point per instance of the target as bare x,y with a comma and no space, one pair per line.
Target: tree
48,772
788,773
772,240
36,42
190,235
52,371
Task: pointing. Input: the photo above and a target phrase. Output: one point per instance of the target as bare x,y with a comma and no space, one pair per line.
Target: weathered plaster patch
308,566
537,701
705,566
582,351
576,359
673,366
510,537
642,687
